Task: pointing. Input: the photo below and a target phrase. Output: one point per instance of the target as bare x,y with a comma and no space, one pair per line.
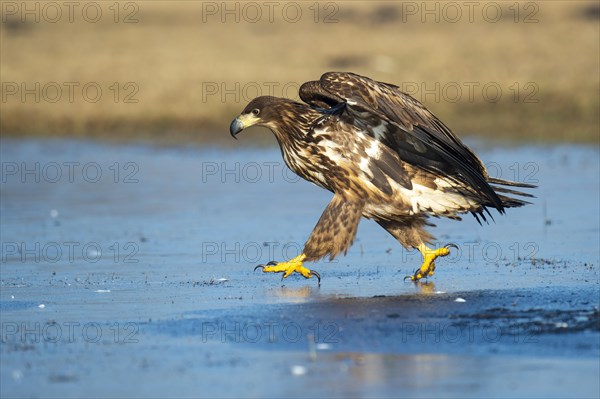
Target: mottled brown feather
378,150
335,230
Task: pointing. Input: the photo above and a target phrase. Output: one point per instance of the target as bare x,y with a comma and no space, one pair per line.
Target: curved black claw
259,266
271,263
314,273
415,277
451,245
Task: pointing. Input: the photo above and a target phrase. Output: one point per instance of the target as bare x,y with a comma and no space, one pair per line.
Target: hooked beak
242,122
236,126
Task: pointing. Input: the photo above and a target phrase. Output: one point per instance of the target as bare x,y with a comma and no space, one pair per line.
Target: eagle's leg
289,267
332,235
412,234
427,269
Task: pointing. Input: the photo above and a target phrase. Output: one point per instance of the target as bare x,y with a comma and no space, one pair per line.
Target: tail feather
510,202
514,192
503,182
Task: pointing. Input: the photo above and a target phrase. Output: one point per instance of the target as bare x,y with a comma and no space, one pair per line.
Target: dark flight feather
408,128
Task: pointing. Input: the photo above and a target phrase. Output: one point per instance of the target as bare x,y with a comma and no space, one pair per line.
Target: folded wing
404,125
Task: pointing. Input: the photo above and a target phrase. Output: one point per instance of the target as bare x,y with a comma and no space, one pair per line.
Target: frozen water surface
143,258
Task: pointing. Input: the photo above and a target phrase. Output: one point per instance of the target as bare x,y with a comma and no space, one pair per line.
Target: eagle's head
262,111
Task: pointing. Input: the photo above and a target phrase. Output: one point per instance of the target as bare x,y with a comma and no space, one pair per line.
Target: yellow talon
427,269
289,267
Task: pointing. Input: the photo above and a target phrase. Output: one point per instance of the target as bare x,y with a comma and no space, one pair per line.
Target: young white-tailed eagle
384,156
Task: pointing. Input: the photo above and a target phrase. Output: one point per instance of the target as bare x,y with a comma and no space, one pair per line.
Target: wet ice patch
17,375
298,370
102,291
92,253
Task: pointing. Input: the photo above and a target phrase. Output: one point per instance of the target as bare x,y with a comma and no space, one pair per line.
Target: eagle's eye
255,111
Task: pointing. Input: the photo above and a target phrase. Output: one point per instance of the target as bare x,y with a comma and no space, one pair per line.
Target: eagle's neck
292,126
293,130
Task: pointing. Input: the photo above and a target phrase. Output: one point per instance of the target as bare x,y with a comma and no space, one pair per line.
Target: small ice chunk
12,297
323,347
101,291
461,300
440,292
41,306
222,279
92,253
53,213
17,375
298,370
561,325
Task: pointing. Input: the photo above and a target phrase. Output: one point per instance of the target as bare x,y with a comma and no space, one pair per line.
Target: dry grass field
170,70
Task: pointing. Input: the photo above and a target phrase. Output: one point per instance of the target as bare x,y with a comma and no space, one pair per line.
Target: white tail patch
427,200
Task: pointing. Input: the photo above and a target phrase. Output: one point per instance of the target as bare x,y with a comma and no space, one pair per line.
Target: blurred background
181,70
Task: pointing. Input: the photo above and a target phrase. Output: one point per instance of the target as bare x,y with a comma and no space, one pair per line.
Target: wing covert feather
407,127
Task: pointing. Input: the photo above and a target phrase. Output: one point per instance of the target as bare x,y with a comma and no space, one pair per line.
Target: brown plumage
383,155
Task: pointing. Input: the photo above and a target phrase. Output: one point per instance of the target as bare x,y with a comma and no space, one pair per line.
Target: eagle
385,157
